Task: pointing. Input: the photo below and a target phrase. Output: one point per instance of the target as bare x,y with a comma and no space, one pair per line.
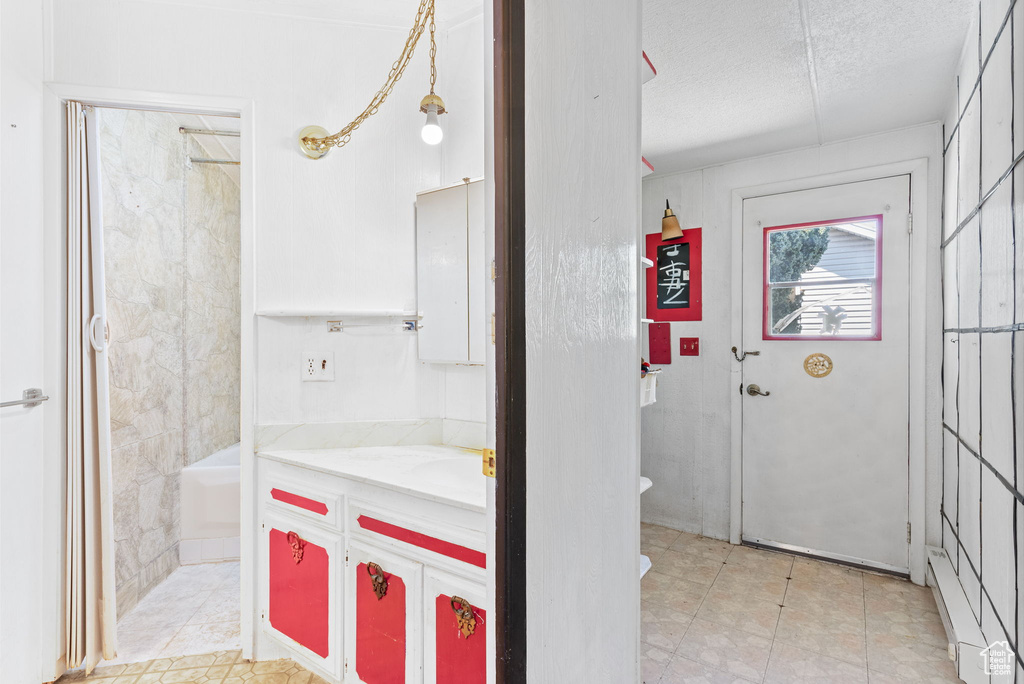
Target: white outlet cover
318,367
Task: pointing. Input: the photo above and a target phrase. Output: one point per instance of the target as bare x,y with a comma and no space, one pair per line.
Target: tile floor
222,667
194,611
714,612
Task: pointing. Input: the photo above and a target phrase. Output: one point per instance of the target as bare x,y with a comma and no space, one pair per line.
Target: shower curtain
91,611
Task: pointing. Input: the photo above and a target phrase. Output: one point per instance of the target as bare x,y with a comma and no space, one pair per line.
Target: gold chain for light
433,50
424,14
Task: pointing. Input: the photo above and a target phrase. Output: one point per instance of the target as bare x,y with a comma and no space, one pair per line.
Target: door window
822,281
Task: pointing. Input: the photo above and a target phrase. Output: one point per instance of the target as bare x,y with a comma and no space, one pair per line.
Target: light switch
689,346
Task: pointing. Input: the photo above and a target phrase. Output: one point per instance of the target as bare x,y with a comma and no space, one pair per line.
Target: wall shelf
336,313
649,70
646,167
645,565
646,262
645,484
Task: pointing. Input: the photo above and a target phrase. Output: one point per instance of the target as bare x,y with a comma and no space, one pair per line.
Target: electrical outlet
318,367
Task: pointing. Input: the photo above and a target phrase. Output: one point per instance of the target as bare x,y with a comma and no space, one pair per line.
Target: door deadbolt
754,391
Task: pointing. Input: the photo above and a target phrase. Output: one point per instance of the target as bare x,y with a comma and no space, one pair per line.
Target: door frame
510,602
920,406
56,94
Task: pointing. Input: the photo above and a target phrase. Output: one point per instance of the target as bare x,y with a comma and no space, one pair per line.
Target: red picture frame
694,311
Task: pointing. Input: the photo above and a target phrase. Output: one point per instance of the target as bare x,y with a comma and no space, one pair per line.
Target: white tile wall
983,286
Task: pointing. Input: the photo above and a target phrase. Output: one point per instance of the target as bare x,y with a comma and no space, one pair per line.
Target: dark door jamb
510,328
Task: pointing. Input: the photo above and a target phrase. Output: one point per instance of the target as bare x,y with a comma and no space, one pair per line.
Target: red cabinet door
299,597
380,626
387,621
459,659
455,653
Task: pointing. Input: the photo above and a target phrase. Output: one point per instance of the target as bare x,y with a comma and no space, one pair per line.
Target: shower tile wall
173,319
212,310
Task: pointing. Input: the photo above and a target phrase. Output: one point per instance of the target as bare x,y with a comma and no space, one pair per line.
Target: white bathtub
211,508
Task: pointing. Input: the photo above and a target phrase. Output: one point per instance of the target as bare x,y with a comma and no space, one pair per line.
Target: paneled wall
582,101
983,290
335,234
687,432
171,237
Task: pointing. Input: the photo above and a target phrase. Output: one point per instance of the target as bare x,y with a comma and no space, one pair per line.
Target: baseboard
966,641
195,551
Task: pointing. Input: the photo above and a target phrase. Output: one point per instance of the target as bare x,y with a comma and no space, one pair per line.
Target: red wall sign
674,283
659,335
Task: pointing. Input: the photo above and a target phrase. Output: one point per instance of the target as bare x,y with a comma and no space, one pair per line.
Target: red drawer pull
298,545
464,616
380,582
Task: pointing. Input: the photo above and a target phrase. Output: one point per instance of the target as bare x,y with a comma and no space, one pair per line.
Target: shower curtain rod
208,131
197,160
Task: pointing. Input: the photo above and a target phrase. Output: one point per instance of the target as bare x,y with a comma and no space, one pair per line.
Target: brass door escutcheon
464,615
380,582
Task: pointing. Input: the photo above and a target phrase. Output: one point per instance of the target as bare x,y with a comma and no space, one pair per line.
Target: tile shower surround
171,240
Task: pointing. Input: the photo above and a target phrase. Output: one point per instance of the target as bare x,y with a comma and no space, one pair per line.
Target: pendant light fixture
670,229
432,105
315,141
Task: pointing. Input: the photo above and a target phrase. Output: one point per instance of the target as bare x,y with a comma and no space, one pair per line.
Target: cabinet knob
380,582
464,615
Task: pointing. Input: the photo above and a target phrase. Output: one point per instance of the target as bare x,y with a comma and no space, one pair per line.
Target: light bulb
432,133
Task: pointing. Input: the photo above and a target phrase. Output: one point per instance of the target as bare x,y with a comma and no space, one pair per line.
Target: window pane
823,310
821,279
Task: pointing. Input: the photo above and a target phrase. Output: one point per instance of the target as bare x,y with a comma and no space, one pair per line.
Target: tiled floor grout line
775,632
829,586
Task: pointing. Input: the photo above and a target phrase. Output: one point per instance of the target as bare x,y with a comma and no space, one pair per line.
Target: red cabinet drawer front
300,593
380,630
287,497
459,660
423,541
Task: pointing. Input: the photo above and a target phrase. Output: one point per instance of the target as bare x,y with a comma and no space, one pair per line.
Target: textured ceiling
750,77
381,12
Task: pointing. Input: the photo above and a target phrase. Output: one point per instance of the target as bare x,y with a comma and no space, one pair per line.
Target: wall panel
687,433
582,147
985,280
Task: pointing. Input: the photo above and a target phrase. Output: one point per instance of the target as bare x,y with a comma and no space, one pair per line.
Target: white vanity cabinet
451,274
376,578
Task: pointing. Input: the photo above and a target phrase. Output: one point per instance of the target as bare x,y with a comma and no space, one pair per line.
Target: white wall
582,335
983,288
336,234
461,83
332,234
23,332
686,434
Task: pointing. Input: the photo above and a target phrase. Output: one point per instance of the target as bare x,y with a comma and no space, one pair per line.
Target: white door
825,303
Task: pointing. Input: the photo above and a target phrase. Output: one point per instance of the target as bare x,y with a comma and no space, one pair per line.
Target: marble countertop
449,475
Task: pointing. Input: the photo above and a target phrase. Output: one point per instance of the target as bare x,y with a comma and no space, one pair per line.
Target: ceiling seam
812,72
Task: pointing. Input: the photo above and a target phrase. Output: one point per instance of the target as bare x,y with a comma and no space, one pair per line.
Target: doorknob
754,390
